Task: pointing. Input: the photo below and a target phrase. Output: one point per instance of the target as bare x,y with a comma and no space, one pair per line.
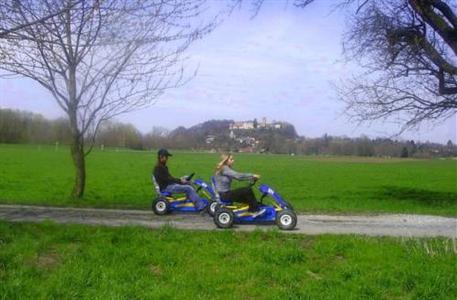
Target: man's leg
190,193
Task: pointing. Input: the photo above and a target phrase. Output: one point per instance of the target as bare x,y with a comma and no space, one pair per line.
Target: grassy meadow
43,175
51,261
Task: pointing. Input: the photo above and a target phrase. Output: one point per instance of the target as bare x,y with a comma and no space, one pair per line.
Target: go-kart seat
217,197
157,188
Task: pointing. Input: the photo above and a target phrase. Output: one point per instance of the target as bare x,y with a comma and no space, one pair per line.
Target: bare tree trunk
77,143
77,154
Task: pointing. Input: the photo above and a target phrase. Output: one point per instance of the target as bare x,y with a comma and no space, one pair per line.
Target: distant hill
248,136
222,127
212,127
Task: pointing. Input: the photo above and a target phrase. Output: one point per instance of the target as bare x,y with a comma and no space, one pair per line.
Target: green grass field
50,261
43,175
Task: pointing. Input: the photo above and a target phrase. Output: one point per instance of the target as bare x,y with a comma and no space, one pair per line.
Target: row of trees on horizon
26,127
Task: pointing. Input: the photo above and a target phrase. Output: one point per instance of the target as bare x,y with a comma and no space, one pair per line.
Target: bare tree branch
4,32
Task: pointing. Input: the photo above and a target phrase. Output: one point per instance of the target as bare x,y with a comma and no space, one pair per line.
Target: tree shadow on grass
425,197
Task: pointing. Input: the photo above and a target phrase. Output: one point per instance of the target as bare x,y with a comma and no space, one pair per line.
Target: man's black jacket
163,177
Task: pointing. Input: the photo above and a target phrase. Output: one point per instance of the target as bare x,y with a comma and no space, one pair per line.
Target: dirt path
377,225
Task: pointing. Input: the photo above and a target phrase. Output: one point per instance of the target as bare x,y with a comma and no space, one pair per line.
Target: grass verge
50,261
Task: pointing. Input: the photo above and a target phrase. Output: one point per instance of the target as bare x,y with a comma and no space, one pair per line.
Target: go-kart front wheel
224,217
212,208
286,219
160,206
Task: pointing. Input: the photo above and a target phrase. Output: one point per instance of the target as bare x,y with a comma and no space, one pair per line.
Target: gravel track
374,225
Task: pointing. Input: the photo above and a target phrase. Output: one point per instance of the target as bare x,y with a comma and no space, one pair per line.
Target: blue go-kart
166,202
279,211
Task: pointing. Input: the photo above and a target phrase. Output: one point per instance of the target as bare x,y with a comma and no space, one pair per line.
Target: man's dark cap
163,152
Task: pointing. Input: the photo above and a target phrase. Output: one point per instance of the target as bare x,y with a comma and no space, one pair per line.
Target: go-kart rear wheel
224,217
286,219
160,206
212,208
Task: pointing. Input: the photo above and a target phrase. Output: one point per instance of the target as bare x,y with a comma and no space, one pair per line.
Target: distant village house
242,125
246,125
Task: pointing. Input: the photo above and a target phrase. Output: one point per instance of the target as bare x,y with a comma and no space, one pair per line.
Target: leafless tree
99,58
407,51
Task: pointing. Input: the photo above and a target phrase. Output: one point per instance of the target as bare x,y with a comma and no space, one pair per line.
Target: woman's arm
226,171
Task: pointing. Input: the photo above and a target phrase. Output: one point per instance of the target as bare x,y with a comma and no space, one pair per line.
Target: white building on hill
252,124
242,125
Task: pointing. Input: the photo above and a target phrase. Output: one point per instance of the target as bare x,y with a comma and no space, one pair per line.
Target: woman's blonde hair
224,159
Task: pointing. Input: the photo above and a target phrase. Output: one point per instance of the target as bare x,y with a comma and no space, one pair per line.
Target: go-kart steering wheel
253,181
263,197
188,178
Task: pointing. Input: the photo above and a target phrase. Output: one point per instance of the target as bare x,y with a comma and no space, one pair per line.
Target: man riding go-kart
168,187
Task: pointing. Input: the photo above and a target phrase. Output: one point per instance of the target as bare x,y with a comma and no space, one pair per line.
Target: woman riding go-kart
225,213
280,211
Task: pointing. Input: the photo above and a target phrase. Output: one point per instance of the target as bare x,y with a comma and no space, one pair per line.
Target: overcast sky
278,65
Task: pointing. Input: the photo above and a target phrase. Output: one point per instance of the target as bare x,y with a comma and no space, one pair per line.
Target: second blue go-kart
166,202
279,212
